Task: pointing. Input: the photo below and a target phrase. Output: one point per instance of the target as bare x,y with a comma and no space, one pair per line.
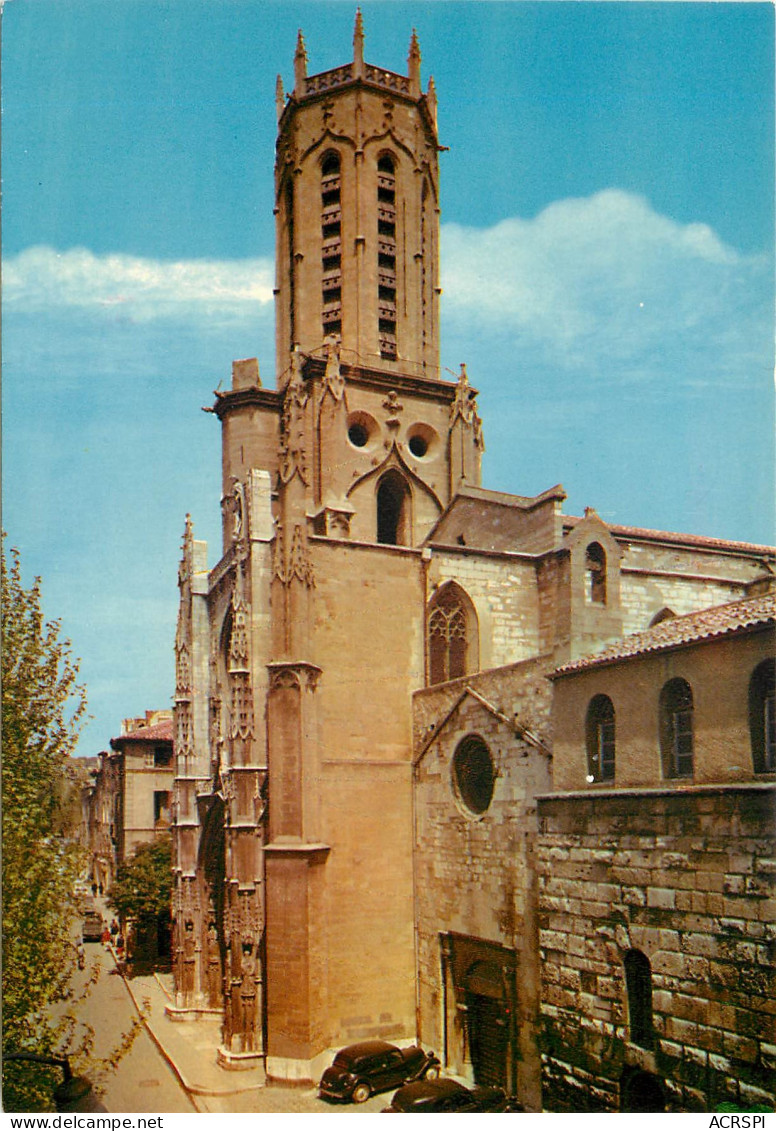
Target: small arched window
676,729
638,985
664,614
600,739
393,510
453,634
595,574
762,717
474,774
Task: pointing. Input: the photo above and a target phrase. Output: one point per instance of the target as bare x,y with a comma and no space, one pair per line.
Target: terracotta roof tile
162,732
700,540
720,620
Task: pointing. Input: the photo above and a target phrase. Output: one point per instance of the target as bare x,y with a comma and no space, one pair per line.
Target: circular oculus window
474,774
363,430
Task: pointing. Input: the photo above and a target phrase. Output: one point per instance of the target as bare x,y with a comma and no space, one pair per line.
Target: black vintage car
360,1070
450,1096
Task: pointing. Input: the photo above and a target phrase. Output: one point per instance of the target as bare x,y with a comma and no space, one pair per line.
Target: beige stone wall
504,594
474,875
688,879
368,641
718,673
644,596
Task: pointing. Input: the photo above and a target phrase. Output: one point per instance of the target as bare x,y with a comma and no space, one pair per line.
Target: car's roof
366,1048
429,1089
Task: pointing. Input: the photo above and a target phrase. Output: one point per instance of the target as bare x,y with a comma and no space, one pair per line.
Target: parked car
448,1095
361,1070
92,927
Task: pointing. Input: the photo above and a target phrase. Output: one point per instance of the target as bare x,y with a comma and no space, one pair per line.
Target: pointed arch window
600,739
595,574
393,510
762,717
331,245
676,729
453,635
638,986
386,255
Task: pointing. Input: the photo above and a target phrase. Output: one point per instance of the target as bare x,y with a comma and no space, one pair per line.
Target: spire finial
300,64
358,42
413,64
280,99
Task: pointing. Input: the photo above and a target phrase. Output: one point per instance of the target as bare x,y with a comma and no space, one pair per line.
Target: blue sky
607,247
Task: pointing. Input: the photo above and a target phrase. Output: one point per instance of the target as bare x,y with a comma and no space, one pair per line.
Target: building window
452,634
386,256
638,985
331,245
163,756
474,775
676,729
762,717
393,510
595,574
600,739
161,808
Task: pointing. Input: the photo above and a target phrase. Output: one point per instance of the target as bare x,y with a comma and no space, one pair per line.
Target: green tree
141,893
43,708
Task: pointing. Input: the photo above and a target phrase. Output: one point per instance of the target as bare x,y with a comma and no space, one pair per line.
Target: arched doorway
641,1091
487,1023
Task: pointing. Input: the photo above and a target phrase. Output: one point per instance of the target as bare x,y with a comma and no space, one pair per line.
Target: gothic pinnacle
280,100
300,64
358,41
413,64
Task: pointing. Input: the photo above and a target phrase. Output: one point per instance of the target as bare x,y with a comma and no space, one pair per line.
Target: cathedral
367,676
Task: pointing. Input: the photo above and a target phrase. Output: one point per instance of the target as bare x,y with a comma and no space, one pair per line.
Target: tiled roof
162,732
720,620
699,540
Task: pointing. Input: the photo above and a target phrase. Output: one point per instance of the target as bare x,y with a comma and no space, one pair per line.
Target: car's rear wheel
432,1072
361,1092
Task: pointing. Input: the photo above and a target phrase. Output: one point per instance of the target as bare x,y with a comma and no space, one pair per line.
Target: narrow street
143,1081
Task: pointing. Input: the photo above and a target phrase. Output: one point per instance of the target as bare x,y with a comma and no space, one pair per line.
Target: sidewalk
189,1047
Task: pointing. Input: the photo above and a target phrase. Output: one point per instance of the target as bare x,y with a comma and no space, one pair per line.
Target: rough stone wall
504,594
690,880
475,875
519,690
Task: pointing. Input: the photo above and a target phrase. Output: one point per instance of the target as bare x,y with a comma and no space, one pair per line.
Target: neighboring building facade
363,718
130,799
656,861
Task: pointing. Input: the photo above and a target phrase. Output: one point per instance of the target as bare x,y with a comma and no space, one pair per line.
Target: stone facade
130,799
372,648
678,871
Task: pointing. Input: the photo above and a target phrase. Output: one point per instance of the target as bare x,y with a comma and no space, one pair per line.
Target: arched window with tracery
452,634
676,729
394,519
595,574
762,717
600,739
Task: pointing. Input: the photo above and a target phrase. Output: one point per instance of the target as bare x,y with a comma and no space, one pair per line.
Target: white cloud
605,282
41,278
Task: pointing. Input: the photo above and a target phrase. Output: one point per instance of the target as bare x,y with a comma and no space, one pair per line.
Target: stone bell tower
356,202
299,651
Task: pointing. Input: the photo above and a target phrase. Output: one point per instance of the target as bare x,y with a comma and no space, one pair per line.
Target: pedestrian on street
114,928
105,936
